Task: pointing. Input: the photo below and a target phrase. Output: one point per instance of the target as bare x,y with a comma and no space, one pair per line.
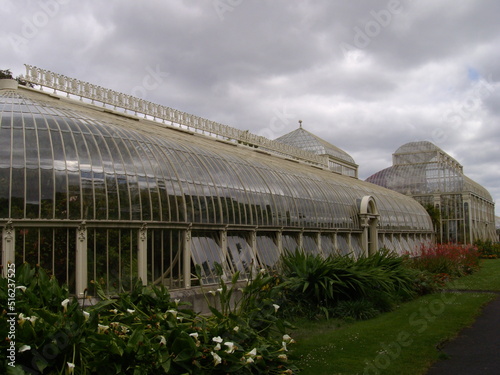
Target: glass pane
165,257
206,252
17,194
240,255
290,242
327,246
343,247
268,251
356,245
4,192
309,243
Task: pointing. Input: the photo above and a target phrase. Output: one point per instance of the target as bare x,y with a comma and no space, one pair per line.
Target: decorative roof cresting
72,86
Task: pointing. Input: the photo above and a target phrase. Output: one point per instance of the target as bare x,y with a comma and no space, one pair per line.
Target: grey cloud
262,57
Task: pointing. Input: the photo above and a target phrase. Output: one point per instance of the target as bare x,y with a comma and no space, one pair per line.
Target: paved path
476,351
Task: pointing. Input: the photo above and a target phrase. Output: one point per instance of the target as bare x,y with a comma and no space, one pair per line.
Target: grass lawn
404,341
487,278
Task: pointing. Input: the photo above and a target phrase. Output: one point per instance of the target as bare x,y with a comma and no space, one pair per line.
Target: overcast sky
367,76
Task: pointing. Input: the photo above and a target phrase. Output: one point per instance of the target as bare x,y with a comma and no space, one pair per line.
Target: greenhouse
465,211
101,187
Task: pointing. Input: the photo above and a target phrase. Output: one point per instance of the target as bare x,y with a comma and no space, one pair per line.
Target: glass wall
51,248
428,174
155,202
165,254
112,259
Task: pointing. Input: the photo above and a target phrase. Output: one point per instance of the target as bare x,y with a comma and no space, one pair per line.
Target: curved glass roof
424,168
307,141
64,159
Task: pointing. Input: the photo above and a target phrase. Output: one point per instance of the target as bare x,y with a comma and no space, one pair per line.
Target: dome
303,139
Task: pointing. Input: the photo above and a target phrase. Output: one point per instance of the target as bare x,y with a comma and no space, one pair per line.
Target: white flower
252,353
163,341
217,358
23,288
217,347
130,311
217,339
173,312
283,346
86,315
276,307
230,347
250,360
177,302
283,357
64,304
262,271
71,367
114,311
219,290
212,292
288,339
180,318
102,328
236,329
24,348
195,335
21,319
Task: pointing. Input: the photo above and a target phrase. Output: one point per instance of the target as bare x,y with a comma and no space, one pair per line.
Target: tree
7,74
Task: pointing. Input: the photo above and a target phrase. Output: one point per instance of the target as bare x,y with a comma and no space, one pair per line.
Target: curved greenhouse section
94,193
435,179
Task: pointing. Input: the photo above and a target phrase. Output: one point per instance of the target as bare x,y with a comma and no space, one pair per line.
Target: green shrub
315,286
141,332
488,249
360,309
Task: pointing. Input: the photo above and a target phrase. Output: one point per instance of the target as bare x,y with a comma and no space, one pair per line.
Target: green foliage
315,286
435,215
141,332
6,74
144,332
488,249
244,314
360,309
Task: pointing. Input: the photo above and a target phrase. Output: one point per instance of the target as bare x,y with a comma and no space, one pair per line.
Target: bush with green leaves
314,285
488,249
140,332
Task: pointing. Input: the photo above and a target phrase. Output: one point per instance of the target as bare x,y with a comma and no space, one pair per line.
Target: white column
279,241
8,246
364,236
318,243
142,254
186,266
81,261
